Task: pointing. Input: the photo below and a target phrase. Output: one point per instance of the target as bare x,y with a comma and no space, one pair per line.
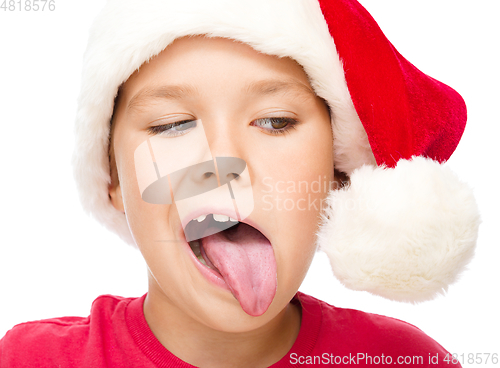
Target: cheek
149,223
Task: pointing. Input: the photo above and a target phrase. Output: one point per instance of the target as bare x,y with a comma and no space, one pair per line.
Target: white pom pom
404,233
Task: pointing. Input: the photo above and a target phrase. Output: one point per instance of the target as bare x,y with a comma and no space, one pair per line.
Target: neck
201,345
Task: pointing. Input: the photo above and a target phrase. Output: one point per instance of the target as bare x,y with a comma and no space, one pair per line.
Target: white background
55,260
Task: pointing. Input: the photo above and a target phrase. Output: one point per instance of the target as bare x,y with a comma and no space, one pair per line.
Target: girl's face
255,107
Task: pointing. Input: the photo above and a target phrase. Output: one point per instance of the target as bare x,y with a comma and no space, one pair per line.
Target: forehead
193,65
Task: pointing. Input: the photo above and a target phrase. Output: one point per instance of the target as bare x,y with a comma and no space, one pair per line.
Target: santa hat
405,226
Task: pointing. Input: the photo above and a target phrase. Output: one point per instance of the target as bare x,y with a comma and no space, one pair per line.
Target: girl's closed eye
173,129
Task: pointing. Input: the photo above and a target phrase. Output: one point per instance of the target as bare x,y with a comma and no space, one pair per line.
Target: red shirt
116,335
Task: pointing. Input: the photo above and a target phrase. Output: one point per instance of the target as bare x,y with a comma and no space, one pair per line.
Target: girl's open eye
276,125
173,129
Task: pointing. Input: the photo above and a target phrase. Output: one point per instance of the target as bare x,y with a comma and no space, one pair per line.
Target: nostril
230,168
208,175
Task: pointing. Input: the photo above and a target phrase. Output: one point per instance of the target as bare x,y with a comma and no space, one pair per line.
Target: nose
201,178
226,139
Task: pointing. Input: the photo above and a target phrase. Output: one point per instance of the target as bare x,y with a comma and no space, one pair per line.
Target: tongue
245,259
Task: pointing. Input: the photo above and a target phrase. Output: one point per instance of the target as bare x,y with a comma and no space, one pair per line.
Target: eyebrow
176,92
274,86
168,92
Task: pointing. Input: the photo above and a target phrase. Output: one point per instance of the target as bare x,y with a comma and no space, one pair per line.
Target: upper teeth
221,218
201,218
218,218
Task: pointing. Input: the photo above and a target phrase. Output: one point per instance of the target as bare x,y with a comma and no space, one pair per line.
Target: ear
115,195
114,189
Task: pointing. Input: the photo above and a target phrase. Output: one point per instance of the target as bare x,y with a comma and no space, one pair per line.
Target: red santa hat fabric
405,227
404,112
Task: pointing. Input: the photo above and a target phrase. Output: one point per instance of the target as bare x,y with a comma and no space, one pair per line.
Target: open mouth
240,254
